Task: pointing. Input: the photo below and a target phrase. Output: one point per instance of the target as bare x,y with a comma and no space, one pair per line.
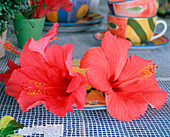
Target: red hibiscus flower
51,5
46,77
128,83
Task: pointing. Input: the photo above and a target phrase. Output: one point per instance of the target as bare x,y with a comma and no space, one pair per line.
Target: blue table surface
96,122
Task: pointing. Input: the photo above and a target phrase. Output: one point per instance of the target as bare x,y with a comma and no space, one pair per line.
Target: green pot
26,28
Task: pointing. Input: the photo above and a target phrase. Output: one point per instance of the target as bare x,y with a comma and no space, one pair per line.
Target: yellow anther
147,71
34,88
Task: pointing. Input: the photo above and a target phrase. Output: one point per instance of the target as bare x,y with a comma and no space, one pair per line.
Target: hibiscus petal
5,76
27,102
131,71
79,94
43,42
147,86
124,106
97,73
155,96
60,57
33,53
29,58
51,5
74,83
34,83
64,4
12,65
60,105
116,52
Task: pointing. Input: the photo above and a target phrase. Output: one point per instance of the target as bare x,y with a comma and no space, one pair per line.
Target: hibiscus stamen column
38,88
8,45
143,73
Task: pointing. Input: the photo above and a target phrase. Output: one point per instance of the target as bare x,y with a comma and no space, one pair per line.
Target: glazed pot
26,28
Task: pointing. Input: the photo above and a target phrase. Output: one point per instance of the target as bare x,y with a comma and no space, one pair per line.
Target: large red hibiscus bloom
51,5
46,77
128,82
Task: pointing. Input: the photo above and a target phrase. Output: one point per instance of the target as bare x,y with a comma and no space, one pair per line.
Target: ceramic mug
134,8
137,30
80,9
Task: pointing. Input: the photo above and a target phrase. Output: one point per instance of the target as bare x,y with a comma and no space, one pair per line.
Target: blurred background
164,10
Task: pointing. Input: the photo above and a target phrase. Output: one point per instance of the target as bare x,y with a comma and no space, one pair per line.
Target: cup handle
163,31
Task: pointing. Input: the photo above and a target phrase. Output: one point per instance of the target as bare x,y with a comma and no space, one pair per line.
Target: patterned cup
137,30
133,8
80,9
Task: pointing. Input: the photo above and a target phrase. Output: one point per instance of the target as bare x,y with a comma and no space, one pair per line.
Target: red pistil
143,73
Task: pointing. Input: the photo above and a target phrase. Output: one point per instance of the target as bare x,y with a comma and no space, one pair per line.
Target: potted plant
26,25
8,9
30,21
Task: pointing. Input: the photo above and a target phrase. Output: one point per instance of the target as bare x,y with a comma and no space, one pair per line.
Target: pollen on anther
147,71
34,88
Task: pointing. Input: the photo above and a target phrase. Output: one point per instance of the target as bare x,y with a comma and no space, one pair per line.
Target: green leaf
12,126
112,25
136,9
4,121
44,6
38,6
8,124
